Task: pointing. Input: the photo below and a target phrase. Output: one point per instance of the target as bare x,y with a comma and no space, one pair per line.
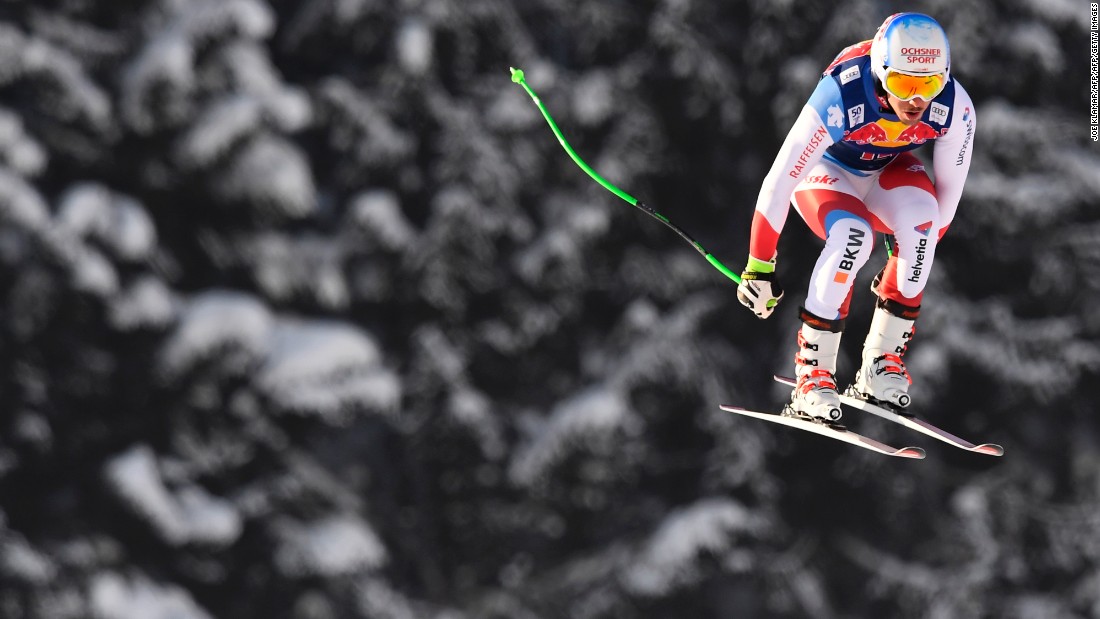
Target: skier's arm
805,144
951,157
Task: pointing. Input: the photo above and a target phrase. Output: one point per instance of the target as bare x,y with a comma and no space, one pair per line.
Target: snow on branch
251,72
18,150
302,266
327,369
378,213
672,355
668,559
573,424
360,129
415,46
218,128
189,515
22,562
326,18
272,176
21,205
118,222
1019,350
257,96
145,303
232,325
95,46
115,596
72,96
214,19
379,600
158,85
333,546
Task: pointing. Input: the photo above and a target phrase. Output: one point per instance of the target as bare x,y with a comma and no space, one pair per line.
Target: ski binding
833,431
909,421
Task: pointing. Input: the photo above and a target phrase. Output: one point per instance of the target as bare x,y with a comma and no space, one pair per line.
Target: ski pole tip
517,74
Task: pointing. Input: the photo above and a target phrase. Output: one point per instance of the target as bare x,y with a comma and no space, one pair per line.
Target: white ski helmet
910,43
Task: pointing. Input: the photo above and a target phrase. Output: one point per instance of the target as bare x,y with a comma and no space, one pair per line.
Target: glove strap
754,276
757,265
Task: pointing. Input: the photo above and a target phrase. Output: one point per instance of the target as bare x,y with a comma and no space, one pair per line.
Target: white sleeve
951,155
805,145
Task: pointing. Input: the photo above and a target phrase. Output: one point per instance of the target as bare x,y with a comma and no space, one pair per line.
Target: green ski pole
517,77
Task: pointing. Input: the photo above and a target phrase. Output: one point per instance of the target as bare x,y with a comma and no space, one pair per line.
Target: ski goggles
908,87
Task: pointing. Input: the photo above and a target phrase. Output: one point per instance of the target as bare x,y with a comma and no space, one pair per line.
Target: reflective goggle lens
906,87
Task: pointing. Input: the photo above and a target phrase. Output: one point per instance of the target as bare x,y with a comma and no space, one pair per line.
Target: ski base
909,421
846,436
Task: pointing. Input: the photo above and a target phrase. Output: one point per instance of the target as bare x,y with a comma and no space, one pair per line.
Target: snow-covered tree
305,313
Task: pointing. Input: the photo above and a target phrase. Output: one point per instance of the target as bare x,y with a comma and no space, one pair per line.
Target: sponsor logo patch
851,254
891,133
855,115
918,264
811,148
969,134
836,119
849,75
921,55
938,113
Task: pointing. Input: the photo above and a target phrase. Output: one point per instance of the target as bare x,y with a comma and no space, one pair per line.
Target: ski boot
815,395
882,377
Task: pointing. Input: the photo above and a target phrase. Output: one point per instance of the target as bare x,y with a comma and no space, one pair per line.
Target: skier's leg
832,210
815,394
905,200
882,375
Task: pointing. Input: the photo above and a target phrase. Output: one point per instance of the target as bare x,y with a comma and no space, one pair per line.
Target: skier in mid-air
847,169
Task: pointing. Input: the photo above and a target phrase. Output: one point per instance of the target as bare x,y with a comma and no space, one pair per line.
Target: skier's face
909,112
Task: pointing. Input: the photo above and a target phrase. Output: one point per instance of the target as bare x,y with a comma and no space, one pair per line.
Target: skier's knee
915,265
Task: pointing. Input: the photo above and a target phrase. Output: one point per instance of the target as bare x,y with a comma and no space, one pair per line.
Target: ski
846,436
913,423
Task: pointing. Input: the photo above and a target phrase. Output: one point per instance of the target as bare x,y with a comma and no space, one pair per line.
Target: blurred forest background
304,313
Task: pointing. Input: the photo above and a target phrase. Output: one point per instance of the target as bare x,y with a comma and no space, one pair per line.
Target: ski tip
915,453
990,449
